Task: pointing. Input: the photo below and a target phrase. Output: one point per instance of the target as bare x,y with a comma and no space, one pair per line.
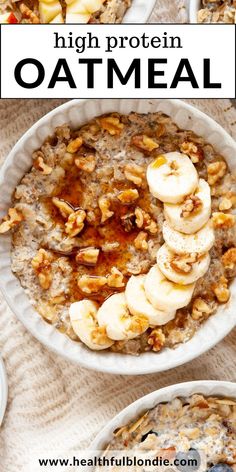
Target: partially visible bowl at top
19,161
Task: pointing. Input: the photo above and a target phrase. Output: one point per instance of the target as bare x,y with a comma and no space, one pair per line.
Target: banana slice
180,243
180,219
166,295
138,303
58,19
171,177
119,323
185,269
48,11
83,317
77,17
85,6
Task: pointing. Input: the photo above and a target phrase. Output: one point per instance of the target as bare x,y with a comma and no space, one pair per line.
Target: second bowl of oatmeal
118,243
219,11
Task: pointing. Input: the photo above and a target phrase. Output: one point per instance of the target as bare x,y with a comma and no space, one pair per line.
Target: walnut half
41,264
75,223
87,256
13,218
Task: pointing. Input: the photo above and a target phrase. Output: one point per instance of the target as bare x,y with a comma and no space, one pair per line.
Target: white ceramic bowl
139,11
3,390
77,112
133,411
194,7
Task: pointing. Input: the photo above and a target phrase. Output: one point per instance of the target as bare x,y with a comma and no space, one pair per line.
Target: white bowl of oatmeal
219,11
183,418
90,11
81,229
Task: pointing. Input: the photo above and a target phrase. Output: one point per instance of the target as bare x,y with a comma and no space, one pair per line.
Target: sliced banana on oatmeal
182,269
191,215
120,324
48,11
164,294
180,243
138,303
171,177
83,317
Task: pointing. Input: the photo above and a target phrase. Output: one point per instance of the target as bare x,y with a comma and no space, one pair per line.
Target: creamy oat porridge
206,425
217,11
63,11
123,233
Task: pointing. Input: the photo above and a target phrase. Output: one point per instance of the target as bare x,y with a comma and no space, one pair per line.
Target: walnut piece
74,145
127,197
104,205
87,164
216,170
156,339
111,124
41,264
144,220
140,242
183,264
91,283
134,173
40,165
225,204
223,220
191,149
191,205
221,290
229,258
28,14
200,309
128,222
13,218
115,279
144,142
87,256
75,223
64,207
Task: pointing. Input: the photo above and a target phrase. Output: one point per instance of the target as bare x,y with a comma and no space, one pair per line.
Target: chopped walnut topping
109,247
127,197
183,264
115,279
160,131
134,173
144,142
42,166
41,264
104,205
64,207
191,149
139,324
229,258
225,204
111,124
144,220
13,218
216,170
99,336
201,309
156,340
87,164
128,221
28,14
223,220
91,283
74,145
221,290
87,256
191,205
140,242
75,223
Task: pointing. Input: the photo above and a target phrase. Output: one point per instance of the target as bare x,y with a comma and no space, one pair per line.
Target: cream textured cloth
170,11
54,405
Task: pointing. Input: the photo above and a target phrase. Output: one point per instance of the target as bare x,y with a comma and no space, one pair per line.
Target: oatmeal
206,425
217,11
63,11
123,232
